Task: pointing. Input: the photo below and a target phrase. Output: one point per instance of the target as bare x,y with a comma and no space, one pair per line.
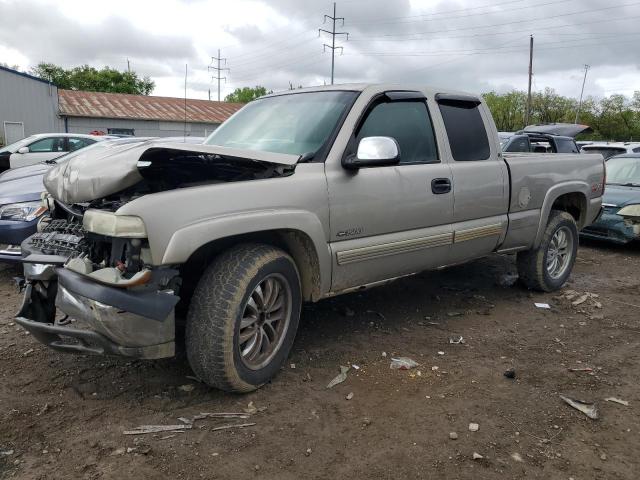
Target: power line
333,34
455,17
584,80
218,70
501,24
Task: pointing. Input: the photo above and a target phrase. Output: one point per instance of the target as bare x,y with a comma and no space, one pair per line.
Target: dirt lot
63,416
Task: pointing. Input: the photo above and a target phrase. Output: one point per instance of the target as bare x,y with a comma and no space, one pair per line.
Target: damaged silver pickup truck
298,197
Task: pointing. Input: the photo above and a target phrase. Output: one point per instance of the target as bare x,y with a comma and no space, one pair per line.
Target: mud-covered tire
219,305
532,264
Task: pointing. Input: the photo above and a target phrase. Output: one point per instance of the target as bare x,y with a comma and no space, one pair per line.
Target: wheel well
574,203
296,243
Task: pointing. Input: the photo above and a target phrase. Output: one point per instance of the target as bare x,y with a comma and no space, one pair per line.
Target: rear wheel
243,317
548,267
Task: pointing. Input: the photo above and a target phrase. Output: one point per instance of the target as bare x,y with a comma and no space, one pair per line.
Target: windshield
296,124
13,148
621,171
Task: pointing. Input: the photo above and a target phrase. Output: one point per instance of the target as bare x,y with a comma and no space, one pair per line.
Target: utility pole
528,112
333,34
128,66
218,70
586,69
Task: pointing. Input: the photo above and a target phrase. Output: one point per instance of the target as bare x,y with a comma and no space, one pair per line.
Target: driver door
42,149
389,221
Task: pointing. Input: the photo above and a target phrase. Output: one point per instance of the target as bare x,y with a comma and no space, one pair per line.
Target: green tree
93,80
246,94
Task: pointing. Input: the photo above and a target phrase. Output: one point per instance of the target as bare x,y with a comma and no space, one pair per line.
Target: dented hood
97,174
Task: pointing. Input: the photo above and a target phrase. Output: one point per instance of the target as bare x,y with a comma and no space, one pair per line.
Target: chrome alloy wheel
559,252
265,320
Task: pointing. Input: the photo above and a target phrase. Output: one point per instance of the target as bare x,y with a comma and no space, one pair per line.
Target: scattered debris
434,368
474,427
28,352
293,366
510,373
349,395
580,300
308,452
603,456
589,409
545,306
186,388
402,363
440,352
617,400
366,421
453,435
341,377
507,279
144,429
239,425
477,456
584,369
454,314
456,340
6,453
251,409
355,367
118,451
384,354
517,457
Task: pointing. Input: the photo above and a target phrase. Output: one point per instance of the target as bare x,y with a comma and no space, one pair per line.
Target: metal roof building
31,105
140,115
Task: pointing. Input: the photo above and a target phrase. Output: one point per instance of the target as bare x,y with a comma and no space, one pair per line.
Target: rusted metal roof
74,103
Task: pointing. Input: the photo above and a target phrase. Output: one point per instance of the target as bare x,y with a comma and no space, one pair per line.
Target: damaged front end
126,309
91,283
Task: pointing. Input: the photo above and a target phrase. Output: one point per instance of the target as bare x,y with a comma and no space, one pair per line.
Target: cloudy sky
470,45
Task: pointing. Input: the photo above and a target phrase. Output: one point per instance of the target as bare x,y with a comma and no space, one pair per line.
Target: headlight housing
22,212
630,211
112,225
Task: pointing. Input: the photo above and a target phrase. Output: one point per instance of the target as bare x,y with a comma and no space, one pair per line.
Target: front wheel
548,267
243,317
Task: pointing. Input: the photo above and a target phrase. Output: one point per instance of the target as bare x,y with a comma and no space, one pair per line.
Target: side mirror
374,152
23,150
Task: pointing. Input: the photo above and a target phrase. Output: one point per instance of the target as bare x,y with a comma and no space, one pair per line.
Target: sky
476,46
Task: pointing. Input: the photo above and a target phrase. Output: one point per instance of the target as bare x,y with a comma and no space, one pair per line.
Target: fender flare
188,239
552,195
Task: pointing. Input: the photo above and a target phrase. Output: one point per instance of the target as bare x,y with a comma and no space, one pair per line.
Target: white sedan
43,146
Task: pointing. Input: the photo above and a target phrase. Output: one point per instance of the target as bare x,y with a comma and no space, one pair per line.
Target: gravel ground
63,416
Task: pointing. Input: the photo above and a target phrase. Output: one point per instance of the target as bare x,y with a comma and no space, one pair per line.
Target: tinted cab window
518,144
465,129
566,145
408,122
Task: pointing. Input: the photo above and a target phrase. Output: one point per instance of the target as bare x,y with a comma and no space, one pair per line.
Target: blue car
20,207
21,189
620,219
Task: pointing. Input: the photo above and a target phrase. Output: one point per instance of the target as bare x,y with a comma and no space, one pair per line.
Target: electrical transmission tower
333,34
218,70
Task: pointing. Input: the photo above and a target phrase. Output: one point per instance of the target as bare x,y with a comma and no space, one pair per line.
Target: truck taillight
604,175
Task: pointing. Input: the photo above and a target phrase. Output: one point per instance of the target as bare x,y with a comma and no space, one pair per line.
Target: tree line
616,117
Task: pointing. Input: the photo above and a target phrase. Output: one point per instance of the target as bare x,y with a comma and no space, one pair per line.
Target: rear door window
465,128
78,143
566,145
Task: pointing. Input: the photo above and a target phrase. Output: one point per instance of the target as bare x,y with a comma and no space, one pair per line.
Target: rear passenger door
480,177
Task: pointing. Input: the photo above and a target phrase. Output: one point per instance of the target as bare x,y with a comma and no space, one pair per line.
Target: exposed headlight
630,211
112,225
23,212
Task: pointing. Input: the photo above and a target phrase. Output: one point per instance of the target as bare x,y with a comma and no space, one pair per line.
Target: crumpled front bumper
105,320
613,228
